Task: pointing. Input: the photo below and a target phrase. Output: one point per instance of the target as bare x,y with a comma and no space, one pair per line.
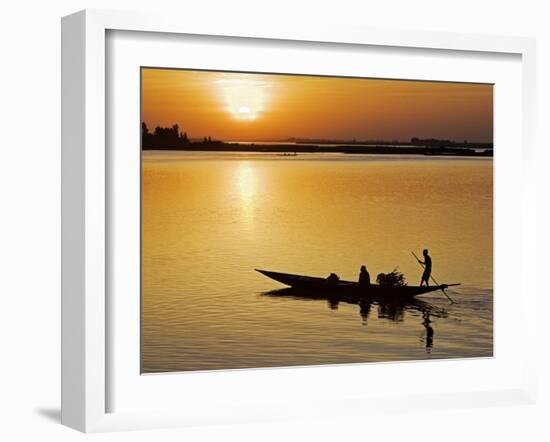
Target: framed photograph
262,223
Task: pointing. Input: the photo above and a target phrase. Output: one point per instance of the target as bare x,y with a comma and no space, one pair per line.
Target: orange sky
237,106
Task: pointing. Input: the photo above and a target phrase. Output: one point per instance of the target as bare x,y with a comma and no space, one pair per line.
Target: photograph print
297,220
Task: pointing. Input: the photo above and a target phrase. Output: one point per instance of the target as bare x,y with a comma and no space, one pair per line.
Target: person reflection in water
429,331
333,303
364,277
364,311
332,281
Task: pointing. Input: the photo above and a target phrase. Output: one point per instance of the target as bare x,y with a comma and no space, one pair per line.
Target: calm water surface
209,219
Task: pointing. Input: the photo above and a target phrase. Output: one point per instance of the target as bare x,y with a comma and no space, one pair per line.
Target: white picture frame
86,203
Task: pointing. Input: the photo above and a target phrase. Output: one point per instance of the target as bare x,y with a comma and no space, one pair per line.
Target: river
210,218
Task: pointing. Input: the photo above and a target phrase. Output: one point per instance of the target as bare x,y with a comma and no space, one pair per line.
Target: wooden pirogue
314,285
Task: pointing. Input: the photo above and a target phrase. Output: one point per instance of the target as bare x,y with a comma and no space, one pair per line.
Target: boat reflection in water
391,310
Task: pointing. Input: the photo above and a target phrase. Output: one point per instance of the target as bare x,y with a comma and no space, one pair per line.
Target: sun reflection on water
247,187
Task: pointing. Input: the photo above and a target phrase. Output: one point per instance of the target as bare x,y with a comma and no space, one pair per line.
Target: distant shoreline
292,148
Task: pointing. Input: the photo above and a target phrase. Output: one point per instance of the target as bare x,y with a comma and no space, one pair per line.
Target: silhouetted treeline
170,138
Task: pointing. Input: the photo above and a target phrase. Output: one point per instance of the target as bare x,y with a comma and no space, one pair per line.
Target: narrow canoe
316,284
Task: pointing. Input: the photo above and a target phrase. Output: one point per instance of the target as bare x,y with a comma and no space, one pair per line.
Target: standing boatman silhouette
427,263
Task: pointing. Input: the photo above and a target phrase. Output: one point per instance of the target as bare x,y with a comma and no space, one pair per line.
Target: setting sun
245,113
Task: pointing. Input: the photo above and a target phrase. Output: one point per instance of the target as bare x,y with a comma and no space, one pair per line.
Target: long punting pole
433,279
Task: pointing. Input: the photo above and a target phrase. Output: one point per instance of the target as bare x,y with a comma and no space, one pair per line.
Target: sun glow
243,106
244,110
245,97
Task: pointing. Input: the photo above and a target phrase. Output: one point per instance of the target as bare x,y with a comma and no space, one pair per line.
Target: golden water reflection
247,182
210,219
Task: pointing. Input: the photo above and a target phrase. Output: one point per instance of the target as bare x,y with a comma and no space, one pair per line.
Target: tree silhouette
168,138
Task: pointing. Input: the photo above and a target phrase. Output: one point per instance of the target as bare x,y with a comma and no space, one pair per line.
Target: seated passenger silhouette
333,279
364,277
